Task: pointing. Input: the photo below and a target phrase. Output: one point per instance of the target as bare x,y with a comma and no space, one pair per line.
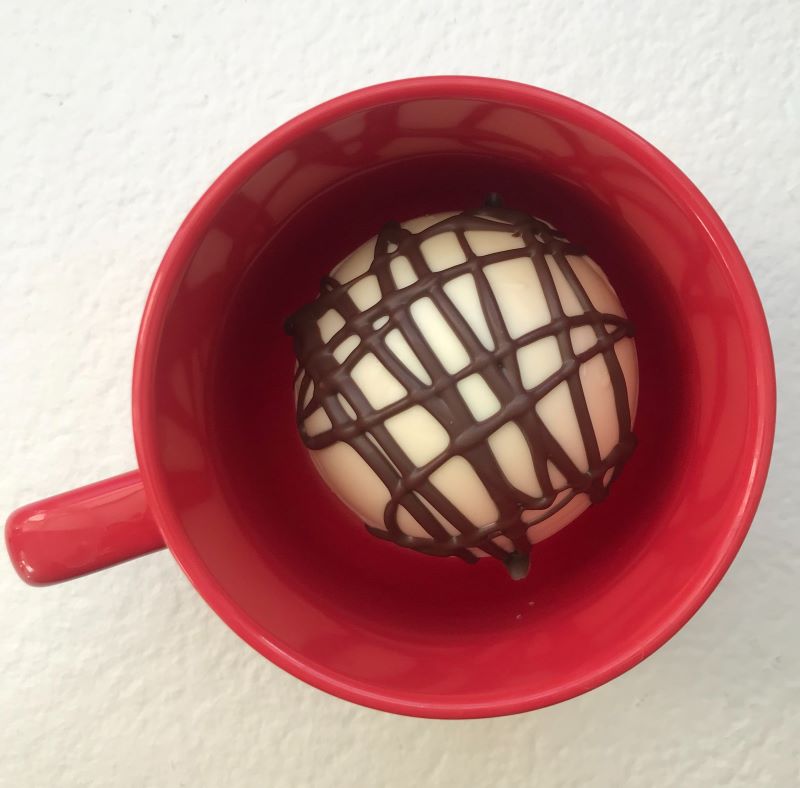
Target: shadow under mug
225,483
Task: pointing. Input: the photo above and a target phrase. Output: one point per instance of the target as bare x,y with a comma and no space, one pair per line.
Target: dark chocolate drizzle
410,485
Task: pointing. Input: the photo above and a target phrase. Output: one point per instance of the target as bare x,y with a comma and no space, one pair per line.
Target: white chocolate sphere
521,299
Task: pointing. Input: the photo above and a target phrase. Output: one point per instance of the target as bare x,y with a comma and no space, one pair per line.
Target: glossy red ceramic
82,531
238,504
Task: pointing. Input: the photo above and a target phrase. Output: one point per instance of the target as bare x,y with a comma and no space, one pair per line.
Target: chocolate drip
409,485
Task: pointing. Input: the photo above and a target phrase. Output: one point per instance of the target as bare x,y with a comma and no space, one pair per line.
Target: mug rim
185,242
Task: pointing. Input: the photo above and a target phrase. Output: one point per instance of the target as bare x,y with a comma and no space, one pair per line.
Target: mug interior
266,542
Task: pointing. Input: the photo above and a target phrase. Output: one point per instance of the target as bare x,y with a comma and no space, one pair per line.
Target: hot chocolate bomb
466,383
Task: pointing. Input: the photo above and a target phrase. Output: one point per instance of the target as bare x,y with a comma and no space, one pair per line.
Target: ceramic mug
224,481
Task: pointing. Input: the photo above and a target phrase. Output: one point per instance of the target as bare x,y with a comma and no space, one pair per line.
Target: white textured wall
113,119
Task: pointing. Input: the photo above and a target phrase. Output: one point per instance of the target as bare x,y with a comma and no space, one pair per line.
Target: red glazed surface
81,531
264,542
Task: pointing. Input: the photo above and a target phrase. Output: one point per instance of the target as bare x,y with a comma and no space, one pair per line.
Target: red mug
224,481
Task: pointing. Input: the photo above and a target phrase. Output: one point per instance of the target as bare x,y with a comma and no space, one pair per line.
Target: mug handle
81,531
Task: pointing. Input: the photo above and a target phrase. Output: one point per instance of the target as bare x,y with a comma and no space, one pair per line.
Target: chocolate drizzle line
409,485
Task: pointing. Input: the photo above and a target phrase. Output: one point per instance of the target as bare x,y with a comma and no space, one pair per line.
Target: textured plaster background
114,116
